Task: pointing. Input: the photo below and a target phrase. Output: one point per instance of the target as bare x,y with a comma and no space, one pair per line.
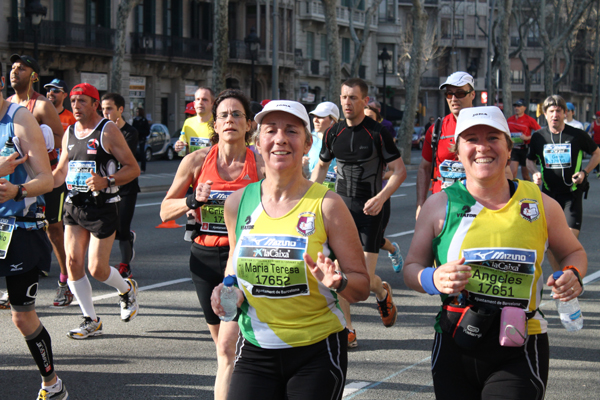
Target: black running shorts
55,201
316,372
370,227
519,155
572,204
100,221
490,371
207,265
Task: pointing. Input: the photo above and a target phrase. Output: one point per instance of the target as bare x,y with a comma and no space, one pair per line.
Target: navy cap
57,83
519,103
27,60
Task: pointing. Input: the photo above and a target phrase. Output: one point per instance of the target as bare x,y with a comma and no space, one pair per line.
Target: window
324,52
445,28
201,21
60,11
310,45
145,17
346,50
98,13
459,28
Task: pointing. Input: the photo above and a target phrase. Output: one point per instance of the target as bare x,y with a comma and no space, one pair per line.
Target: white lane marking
591,278
407,185
397,195
353,387
401,234
148,204
388,378
141,289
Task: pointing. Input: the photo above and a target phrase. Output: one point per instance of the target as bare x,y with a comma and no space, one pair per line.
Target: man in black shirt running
362,148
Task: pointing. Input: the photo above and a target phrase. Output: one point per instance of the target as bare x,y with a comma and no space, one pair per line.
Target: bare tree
220,44
125,7
335,57
596,78
415,71
359,44
504,11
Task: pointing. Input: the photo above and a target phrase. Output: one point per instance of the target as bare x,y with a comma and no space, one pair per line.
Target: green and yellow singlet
285,305
505,248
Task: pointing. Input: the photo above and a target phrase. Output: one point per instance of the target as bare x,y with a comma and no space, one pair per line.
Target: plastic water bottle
7,150
190,225
569,311
229,299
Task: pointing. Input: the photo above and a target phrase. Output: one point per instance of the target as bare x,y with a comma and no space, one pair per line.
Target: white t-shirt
575,124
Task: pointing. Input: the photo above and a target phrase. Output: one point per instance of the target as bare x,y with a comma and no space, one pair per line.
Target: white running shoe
128,302
88,328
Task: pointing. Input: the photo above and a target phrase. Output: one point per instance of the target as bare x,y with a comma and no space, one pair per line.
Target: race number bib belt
79,172
7,226
517,139
450,172
557,156
211,213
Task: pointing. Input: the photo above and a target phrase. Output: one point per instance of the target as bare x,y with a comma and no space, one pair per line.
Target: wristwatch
111,181
343,282
21,193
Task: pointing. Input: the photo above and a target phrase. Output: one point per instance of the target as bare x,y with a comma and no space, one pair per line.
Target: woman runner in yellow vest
487,235
281,230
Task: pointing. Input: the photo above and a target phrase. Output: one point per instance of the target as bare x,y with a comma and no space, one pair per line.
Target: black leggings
315,372
207,266
491,371
126,211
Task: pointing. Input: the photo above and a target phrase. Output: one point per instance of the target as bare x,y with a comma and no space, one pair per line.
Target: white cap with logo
459,79
290,107
473,116
327,109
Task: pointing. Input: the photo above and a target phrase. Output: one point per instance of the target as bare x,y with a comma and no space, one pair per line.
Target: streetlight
385,59
35,12
253,43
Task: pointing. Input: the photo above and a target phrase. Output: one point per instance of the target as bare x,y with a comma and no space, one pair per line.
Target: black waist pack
467,324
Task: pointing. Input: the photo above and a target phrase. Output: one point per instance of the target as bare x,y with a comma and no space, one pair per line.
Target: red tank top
213,232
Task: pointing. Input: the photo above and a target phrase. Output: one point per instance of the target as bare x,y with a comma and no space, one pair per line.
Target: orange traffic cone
169,225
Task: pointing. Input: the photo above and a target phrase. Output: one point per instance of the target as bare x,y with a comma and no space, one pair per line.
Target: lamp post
253,43
385,59
35,12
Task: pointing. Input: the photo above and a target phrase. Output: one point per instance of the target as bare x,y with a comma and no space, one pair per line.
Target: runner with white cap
460,93
325,115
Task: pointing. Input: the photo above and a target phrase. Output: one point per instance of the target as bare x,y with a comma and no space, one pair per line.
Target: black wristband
585,172
343,283
575,271
192,203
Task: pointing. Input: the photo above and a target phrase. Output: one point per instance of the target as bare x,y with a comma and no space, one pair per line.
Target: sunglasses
459,94
56,90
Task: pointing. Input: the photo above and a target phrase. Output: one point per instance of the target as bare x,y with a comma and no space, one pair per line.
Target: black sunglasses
56,90
459,94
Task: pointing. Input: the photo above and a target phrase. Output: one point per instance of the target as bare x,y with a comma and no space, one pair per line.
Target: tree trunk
359,44
413,82
220,45
596,79
504,11
335,57
123,12
527,75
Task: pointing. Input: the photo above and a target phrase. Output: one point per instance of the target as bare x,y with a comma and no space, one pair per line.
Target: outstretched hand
324,270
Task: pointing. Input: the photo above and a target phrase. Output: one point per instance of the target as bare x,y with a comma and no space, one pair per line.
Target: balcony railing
581,87
430,81
56,33
171,46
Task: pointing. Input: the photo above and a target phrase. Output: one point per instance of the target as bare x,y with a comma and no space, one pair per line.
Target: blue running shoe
396,257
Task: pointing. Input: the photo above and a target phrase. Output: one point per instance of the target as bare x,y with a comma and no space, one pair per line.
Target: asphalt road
167,351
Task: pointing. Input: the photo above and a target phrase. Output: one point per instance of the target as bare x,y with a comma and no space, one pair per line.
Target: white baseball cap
459,79
290,107
327,109
473,116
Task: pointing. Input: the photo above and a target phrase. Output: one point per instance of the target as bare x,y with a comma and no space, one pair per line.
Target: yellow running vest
285,306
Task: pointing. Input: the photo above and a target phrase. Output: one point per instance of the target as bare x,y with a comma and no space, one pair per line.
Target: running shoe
64,297
4,301
125,270
396,257
88,328
132,236
129,304
352,343
387,308
62,395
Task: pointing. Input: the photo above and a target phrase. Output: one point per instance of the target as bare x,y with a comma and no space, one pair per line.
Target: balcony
313,10
54,33
428,82
171,46
581,87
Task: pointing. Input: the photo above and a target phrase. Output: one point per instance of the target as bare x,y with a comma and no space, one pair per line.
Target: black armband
192,203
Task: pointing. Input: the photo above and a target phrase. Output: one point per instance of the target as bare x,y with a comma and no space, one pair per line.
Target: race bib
501,276
197,143
517,137
212,213
557,156
79,172
450,172
329,181
273,266
7,226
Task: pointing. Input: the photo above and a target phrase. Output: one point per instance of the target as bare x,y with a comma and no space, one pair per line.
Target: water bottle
190,226
569,311
229,299
7,150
